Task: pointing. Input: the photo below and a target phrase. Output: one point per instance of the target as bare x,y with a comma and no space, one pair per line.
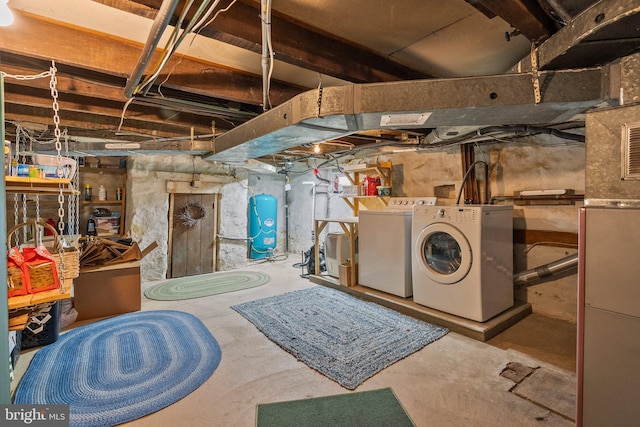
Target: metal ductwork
556,267
333,112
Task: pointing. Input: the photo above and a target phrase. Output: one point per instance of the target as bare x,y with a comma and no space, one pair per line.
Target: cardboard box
108,226
107,290
344,275
108,221
351,190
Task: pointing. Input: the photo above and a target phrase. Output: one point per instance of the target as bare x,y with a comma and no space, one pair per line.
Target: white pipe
313,209
267,60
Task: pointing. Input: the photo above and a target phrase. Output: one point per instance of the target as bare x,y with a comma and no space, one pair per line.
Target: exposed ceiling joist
603,33
215,85
527,16
90,51
295,44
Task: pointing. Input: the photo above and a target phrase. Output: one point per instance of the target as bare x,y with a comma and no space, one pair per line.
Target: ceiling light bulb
6,17
316,148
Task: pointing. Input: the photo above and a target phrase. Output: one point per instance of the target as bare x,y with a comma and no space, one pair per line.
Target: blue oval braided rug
123,368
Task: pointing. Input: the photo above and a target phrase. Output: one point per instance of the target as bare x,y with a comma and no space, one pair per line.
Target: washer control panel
407,203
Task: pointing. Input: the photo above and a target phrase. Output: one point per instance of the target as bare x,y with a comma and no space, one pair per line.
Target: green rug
367,409
205,285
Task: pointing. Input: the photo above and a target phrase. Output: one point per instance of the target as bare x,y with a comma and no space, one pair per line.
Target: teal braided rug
204,285
123,368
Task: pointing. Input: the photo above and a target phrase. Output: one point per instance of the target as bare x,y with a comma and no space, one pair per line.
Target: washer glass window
442,253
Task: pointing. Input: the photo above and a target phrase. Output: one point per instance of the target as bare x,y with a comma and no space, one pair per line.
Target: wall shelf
101,202
110,177
17,184
383,170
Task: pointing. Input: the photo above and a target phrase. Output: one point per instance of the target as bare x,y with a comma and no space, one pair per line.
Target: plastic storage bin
48,322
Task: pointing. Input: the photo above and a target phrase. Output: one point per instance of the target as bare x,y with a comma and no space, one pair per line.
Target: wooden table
350,227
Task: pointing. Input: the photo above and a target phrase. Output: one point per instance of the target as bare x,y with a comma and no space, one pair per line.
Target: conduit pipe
157,29
559,266
267,57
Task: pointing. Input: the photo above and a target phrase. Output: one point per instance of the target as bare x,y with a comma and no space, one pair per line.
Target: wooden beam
71,102
547,238
93,121
101,53
296,44
527,16
75,81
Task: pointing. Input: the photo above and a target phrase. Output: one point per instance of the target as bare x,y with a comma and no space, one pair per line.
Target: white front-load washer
463,259
384,249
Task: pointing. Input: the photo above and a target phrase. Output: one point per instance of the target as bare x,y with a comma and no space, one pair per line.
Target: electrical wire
466,175
517,131
195,33
176,37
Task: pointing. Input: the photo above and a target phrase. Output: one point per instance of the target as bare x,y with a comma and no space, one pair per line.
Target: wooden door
193,234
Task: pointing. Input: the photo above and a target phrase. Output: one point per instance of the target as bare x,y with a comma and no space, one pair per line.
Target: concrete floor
454,381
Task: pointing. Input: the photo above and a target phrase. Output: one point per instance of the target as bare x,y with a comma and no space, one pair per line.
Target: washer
463,259
384,249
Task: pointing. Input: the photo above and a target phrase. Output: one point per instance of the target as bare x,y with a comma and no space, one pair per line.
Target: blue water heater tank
263,224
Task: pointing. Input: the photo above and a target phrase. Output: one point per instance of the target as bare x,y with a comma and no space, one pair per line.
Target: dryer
384,252
463,259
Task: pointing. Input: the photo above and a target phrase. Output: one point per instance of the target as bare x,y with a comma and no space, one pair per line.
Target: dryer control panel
453,214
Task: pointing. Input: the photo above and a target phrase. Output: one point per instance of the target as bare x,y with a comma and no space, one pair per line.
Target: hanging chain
24,216
319,102
37,207
16,208
74,227
53,84
72,199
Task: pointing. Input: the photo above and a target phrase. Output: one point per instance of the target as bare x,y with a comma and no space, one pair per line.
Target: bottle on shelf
87,192
14,167
7,158
91,227
102,193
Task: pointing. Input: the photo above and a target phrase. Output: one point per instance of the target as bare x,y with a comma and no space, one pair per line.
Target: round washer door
443,253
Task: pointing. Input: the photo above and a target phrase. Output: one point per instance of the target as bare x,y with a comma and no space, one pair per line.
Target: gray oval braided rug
205,285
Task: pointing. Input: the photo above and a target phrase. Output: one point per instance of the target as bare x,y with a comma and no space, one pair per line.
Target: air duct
471,101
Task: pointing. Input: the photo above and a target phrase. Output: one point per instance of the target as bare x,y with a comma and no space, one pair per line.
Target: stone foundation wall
543,163
148,207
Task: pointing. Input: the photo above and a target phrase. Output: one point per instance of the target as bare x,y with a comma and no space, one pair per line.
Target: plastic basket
42,328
